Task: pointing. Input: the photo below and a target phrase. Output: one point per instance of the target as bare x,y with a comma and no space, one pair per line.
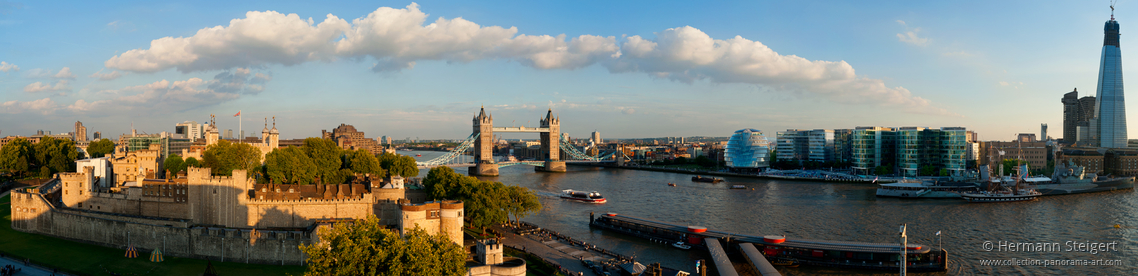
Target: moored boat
927,189
672,184
582,196
681,245
700,178
738,186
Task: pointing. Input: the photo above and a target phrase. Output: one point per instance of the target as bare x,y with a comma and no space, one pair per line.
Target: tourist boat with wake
700,178
582,196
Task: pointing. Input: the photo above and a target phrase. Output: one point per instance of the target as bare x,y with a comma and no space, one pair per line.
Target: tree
224,157
362,161
290,165
442,183
191,163
703,161
326,155
100,148
173,164
401,165
520,202
366,247
45,172
58,155
14,156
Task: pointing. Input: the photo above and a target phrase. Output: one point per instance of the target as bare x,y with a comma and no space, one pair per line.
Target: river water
840,211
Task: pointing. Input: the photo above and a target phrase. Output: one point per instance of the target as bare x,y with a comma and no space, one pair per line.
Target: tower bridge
481,142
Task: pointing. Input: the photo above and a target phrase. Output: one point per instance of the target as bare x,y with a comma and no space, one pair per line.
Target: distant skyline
624,69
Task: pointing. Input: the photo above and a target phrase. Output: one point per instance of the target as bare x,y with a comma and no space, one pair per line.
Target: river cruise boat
783,250
700,178
926,189
588,197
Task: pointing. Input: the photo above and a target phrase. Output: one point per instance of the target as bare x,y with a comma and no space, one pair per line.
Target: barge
780,249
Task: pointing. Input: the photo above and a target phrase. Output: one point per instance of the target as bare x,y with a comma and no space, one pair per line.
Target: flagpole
240,131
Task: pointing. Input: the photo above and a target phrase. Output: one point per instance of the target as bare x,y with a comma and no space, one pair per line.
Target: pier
782,250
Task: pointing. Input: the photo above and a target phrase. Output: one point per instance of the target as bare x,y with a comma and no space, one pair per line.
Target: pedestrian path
32,270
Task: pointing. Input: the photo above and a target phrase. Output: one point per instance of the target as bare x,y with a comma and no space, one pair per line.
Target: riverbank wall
730,174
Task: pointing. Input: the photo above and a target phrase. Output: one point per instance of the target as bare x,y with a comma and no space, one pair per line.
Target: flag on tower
238,114
938,233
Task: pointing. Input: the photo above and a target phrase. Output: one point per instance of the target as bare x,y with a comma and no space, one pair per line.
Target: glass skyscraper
1110,108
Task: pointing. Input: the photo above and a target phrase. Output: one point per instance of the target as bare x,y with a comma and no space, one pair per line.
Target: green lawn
86,259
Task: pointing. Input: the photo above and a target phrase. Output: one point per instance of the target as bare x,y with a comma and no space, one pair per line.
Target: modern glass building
747,149
873,147
1110,108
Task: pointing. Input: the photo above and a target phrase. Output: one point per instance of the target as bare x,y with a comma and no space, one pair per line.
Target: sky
626,69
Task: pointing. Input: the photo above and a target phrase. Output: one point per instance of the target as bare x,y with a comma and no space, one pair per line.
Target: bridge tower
551,144
484,145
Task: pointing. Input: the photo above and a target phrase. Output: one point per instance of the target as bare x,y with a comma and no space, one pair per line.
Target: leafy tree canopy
191,163
224,157
400,165
362,161
290,165
173,164
325,155
366,247
14,156
100,148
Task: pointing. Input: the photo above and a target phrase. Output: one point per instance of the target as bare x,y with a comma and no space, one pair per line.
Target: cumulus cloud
259,38
106,76
6,67
61,85
910,35
398,38
45,106
64,73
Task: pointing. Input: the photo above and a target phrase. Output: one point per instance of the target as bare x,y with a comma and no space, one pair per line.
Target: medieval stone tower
484,145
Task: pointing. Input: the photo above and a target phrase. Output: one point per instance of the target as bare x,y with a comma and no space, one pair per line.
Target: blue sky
623,68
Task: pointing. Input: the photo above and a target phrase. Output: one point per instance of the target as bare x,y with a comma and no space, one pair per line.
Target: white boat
681,245
927,189
589,197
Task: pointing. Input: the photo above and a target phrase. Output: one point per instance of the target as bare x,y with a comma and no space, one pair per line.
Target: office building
596,138
189,130
747,149
1109,125
874,147
921,148
1077,115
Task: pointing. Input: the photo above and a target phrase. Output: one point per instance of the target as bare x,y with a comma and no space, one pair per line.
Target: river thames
1030,238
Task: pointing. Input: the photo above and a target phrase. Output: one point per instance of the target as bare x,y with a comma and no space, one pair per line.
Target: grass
86,259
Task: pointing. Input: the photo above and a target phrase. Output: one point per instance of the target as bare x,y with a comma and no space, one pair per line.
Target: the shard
1110,105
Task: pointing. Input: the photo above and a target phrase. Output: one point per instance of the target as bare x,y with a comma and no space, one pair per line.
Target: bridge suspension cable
449,156
577,154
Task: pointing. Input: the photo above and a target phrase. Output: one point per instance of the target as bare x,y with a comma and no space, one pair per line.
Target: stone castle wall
32,213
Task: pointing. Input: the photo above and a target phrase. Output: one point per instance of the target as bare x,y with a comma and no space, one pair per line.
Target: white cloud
688,54
6,67
106,76
398,38
45,106
259,38
61,85
910,35
64,73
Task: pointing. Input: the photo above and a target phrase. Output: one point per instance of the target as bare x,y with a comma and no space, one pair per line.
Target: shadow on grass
85,259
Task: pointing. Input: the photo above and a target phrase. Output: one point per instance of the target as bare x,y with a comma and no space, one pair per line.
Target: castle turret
484,145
